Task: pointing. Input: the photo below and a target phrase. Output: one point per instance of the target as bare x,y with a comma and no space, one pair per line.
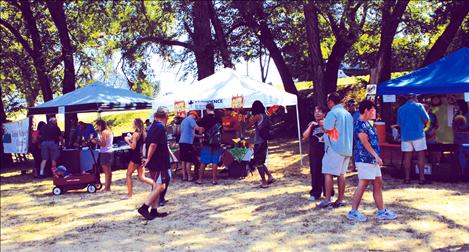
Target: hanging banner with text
180,108
16,136
237,102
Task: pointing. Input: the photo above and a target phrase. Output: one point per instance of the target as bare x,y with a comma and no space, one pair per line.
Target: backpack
213,135
265,128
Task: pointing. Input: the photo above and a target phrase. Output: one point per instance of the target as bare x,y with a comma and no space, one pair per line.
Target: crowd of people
339,137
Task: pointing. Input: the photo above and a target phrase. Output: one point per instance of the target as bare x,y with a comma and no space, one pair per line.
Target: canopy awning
449,75
96,97
221,87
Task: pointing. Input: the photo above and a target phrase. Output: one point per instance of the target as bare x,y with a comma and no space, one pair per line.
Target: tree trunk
262,31
457,15
391,17
267,40
339,50
203,43
38,57
68,84
315,53
220,35
58,16
5,159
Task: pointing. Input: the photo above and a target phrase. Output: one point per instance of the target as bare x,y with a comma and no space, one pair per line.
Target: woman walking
104,141
136,142
368,162
260,120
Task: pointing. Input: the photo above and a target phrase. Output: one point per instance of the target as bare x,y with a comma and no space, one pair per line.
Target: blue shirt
86,132
411,118
360,154
187,130
340,119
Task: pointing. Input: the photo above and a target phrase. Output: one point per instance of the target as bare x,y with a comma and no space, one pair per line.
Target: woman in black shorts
136,142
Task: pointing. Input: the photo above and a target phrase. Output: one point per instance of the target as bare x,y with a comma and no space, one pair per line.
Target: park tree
455,15
257,20
391,15
35,47
346,26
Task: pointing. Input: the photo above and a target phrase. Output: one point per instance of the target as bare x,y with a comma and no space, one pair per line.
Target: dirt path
232,216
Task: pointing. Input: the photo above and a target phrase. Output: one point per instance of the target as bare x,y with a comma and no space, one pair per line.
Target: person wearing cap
411,118
211,150
157,161
186,141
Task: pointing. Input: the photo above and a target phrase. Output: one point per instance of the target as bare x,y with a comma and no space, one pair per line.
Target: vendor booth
441,85
95,97
226,89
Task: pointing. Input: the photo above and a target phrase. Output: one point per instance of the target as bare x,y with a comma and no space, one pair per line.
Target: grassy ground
232,216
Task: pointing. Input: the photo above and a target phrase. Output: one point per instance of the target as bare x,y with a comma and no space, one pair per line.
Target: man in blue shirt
411,118
85,132
338,141
186,148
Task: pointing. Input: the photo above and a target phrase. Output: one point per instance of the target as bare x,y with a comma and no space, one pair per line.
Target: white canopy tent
221,87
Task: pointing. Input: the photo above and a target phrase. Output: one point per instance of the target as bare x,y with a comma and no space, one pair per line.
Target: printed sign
16,136
389,98
237,102
180,108
62,110
371,89
466,96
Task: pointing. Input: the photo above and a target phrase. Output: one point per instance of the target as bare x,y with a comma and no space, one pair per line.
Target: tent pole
299,136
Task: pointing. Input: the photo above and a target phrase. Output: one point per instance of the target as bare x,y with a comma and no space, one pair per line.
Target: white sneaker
312,198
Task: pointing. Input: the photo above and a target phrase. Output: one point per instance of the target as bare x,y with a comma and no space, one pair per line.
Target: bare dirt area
234,215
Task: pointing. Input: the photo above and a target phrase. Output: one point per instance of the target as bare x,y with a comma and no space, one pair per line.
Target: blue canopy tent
95,97
449,75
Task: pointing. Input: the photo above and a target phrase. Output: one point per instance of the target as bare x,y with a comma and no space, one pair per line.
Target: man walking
51,136
411,118
338,141
157,161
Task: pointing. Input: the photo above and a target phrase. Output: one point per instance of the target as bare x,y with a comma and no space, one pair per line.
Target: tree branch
18,36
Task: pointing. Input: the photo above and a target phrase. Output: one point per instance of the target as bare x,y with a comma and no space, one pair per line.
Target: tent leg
299,135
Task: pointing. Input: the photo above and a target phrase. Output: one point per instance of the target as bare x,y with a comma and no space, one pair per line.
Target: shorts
161,177
368,171
260,154
50,150
106,158
186,152
333,163
414,145
210,155
159,180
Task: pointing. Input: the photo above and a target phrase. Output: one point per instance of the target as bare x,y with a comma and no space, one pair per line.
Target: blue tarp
93,98
449,75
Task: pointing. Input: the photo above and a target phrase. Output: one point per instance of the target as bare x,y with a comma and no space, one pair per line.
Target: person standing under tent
338,141
315,134
85,132
411,118
259,120
461,135
157,161
186,148
35,148
106,156
366,155
51,137
135,143
211,150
